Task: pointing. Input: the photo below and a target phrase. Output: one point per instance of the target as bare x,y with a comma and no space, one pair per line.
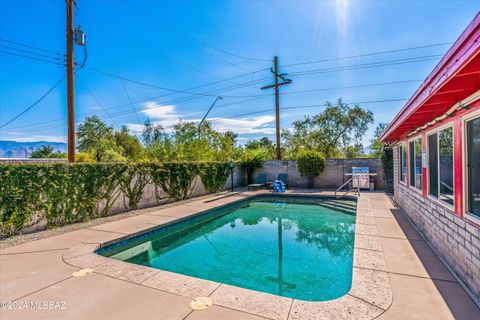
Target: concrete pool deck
398,276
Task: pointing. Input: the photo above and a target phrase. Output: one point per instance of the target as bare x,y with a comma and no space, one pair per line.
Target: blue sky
182,45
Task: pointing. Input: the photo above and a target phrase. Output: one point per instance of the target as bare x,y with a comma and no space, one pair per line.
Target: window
415,158
403,162
433,165
440,165
473,167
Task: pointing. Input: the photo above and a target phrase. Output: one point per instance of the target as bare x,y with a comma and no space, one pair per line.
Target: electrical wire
160,87
369,65
32,58
262,111
96,100
185,34
112,60
32,47
34,104
367,54
32,53
121,113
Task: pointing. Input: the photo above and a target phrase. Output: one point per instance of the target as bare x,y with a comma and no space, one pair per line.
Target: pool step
333,206
341,204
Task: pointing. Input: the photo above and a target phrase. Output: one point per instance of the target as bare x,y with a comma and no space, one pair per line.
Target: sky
167,61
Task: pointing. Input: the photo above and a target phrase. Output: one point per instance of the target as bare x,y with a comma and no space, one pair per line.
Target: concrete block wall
454,238
149,199
332,177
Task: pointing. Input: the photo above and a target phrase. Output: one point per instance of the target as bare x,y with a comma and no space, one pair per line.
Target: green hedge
66,193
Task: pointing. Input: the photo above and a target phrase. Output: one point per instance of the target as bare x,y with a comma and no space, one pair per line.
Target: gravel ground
27,237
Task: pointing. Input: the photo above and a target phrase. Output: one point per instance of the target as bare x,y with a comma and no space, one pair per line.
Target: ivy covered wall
55,194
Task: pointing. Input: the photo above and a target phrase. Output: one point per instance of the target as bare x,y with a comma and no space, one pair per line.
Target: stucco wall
331,178
454,238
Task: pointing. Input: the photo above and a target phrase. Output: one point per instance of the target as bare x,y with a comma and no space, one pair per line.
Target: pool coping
369,296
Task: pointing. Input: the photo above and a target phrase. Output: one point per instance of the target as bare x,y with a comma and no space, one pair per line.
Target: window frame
429,133
413,187
466,118
404,145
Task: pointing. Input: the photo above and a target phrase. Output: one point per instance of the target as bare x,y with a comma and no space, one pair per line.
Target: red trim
454,78
458,165
424,169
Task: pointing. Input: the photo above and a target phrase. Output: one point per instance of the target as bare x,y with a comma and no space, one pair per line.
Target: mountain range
14,149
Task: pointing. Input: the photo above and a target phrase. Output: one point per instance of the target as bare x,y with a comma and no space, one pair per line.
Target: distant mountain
14,149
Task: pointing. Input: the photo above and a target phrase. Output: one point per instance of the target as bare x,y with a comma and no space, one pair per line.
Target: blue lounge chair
261,182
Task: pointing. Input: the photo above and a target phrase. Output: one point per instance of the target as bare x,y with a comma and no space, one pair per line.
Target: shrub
133,182
175,178
65,193
310,164
251,160
214,175
20,195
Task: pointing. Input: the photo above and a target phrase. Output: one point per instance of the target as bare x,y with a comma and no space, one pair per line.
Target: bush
175,178
214,175
310,164
251,160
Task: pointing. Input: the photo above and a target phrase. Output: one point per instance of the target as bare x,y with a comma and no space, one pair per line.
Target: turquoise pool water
300,248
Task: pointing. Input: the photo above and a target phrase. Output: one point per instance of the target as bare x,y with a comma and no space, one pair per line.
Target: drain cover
201,303
82,272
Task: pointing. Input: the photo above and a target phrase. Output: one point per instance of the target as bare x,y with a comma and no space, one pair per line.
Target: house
436,138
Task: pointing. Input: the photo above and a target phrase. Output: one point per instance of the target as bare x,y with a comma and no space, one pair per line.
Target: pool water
294,247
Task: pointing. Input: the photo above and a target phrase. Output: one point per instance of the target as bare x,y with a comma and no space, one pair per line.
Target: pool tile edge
369,296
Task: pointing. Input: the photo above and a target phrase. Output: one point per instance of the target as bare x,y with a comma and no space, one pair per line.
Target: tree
47,152
329,132
188,142
354,151
96,138
310,164
263,143
130,146
250,160
380,150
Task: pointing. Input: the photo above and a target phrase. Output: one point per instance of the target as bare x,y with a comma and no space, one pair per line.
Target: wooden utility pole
278,152
70,86
276,75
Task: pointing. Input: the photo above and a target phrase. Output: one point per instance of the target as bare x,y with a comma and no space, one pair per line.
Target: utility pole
277,102
70,86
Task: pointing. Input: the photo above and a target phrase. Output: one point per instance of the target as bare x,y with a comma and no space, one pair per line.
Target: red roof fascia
460,54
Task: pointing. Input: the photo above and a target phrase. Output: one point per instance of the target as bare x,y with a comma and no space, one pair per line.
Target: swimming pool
296,247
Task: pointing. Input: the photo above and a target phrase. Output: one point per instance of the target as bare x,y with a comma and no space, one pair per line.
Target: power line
204,43
112,60
121,113
314,106
31,52
147,99
259,111
32,58
369,65
159,87
368,54
32,47
35,103
96,100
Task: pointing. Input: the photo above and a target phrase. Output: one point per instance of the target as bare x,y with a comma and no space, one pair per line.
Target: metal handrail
446,185
357,190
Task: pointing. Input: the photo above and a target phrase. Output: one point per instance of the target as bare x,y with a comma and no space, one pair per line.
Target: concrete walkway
33,274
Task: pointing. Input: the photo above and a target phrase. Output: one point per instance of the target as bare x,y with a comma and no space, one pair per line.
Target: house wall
332,177
454,235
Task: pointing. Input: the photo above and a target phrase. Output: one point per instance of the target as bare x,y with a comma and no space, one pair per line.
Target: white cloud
41,138
244,125
167,116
